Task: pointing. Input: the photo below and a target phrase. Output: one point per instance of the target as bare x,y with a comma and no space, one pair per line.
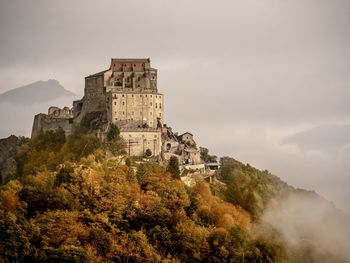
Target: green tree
148,153
113,132
173,167
206,157
141,173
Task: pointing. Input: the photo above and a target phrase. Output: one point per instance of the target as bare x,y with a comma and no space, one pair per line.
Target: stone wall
138,108
139,140
46,122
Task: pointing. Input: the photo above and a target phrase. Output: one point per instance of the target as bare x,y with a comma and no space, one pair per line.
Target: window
140,96
151,96
150,103
123,103
151,112
132,113
160,105
146,95
132,95
156,105
123,95
123,113
115,103
160,115
138,78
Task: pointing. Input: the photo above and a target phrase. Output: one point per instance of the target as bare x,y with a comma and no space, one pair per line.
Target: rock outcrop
8,151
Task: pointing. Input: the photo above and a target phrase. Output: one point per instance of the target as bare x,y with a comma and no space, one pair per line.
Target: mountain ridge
36,92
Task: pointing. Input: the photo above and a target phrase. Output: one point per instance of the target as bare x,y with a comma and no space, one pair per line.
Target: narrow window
156,105
151,103
123,113
115,103
138,78
160,105
123,103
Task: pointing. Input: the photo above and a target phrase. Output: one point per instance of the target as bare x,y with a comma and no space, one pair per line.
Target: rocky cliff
8,151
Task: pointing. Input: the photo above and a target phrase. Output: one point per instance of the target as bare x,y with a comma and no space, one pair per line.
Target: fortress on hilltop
127,95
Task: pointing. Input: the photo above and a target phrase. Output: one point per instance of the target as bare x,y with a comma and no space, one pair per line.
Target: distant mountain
37,92
18,106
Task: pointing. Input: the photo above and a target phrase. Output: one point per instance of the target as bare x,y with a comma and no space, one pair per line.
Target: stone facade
138,140
127,95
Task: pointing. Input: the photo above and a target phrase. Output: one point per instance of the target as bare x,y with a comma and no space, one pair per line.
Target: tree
206,157
173,167
113,132
127,162
148,153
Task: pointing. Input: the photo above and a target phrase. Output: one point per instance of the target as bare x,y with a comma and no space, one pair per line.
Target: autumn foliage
69,206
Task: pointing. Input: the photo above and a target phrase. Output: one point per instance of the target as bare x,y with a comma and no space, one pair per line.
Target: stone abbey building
126,94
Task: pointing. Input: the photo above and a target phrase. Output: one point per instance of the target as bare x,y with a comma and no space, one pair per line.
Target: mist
314,230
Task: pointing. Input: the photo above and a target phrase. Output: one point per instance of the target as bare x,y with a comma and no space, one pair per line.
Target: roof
134,129
98,74
125,60
186,133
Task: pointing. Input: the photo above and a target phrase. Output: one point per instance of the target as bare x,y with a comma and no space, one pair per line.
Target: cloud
325,138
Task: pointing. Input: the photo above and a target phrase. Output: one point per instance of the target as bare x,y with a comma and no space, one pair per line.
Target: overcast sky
264,81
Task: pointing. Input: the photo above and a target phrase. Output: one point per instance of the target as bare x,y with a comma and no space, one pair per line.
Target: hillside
76,199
